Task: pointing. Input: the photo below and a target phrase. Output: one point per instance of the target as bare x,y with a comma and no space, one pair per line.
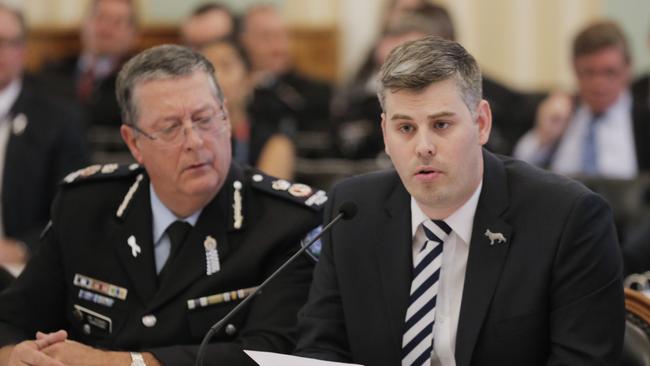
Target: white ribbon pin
135,248
495,237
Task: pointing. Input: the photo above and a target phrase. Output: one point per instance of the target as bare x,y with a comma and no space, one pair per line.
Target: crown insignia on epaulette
99,170
297,192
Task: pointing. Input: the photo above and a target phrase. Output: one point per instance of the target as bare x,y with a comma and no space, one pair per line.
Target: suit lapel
394,258
485,261
135,228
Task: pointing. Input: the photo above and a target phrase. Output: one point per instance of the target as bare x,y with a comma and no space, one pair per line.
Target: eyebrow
431,116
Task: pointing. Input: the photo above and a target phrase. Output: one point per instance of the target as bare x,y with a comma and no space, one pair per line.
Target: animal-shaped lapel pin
495,237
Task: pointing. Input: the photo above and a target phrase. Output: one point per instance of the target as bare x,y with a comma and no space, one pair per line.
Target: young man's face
436,145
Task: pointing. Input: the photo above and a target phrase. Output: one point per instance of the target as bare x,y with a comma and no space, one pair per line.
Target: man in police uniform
147,259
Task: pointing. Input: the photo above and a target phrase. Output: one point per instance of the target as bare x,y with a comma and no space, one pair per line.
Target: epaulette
101,172
295,192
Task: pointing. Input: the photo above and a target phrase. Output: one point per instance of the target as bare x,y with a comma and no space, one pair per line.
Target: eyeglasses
174,135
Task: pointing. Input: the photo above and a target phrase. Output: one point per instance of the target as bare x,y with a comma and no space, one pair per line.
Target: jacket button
149,321
231,330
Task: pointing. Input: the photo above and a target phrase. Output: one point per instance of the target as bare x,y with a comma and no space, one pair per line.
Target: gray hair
417,64
159,63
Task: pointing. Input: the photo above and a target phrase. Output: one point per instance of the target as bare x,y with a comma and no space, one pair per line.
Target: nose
425,146
193,138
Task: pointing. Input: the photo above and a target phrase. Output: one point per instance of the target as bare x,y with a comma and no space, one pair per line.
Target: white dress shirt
452,274
8,97
162,217
614,143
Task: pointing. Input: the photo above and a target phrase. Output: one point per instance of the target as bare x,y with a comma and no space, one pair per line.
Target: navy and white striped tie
417,341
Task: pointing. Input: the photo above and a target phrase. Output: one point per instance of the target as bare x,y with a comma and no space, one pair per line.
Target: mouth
427,174
197,166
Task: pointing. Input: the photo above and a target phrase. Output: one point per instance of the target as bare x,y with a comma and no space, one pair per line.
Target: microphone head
348,209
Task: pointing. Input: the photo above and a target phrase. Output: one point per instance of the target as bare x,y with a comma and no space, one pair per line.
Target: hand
30,352
553,116
12,251
71,353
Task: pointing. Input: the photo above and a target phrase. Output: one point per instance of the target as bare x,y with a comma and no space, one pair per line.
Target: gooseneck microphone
346,211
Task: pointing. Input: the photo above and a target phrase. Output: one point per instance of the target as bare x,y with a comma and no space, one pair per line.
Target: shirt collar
8,97
461,221
163,216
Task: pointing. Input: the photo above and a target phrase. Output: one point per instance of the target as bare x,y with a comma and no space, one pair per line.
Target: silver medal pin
495,237
212,263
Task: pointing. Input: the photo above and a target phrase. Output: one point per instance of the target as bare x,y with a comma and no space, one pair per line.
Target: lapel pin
135,248
19,124
211,256
495,237
238,218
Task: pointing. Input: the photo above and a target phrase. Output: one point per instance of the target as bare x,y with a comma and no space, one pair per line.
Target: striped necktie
417,341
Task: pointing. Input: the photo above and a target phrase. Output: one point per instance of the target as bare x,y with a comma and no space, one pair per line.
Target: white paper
279,359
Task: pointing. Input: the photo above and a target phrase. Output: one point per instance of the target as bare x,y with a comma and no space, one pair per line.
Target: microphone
346,211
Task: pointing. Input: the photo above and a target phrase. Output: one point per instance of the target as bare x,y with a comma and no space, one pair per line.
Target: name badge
93,321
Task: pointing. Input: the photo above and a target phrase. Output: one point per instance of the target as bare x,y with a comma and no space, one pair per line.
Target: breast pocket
90,321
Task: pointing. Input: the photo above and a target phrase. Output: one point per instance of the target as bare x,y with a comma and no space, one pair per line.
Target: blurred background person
108,34
277,155
603,130
641,87
284,102
207,23
40,142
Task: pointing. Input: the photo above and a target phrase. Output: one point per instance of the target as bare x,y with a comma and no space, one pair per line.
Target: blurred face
602,77
436,145
390,42
202,29
266,40
195,170
231,72
11,48
109,29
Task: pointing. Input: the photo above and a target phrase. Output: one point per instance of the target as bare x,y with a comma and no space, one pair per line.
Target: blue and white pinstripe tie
417,341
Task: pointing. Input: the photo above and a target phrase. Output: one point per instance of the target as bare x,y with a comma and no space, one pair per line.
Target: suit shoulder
378,180
102,172
298,193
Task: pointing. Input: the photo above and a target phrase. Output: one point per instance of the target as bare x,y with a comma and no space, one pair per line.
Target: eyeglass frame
222,115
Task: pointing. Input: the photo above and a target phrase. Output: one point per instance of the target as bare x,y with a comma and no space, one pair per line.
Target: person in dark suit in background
108,34
290,111
603,130
146,260
459,256
40,142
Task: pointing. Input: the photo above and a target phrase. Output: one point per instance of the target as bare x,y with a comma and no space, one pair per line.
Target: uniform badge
204,301
19,124
212,263
317,199
135,248
238,218
315,249
92,320
101,287
280,185
109,168
300,190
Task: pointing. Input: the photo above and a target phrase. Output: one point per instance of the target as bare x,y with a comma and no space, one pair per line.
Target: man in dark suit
40,142
108,33
603,131
146,260
461,257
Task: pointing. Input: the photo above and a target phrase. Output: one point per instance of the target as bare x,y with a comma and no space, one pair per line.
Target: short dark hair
133,19
598,36
417,64
159,63
208,7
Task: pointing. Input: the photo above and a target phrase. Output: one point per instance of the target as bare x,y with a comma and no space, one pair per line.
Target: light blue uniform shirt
162,217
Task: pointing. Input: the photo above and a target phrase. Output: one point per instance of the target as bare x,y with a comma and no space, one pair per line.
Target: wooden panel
315,50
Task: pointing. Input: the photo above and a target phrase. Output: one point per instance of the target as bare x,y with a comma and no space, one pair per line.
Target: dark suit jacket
36,159
88,238
550,295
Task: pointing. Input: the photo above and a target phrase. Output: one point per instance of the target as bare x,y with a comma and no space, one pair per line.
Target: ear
383,132
484,121
128,135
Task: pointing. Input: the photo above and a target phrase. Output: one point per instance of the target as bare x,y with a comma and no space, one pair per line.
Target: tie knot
177,232
436,230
